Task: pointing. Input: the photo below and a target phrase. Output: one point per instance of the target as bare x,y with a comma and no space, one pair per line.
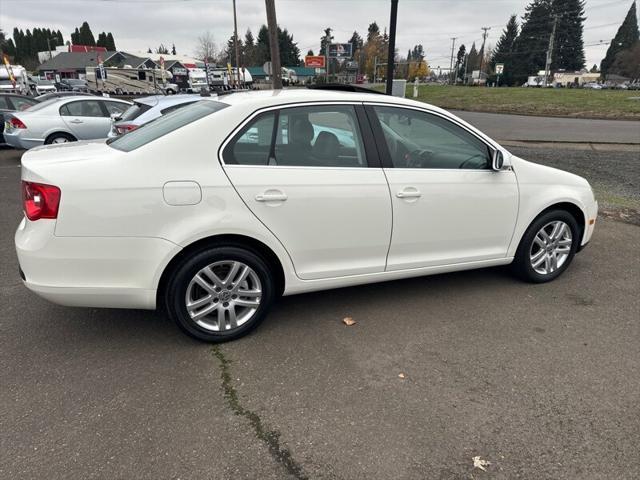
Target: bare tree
206,47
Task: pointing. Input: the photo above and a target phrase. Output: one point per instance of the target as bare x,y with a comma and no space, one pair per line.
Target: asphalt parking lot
540,381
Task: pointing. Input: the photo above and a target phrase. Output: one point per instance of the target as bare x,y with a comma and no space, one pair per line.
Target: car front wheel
547,247
220,294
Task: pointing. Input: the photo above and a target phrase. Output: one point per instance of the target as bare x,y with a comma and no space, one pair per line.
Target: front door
86,119
304,172
449,206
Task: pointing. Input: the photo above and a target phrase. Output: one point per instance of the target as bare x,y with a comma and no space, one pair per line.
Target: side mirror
497,160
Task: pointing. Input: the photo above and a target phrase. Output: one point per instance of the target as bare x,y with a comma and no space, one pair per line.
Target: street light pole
272,25
453,46
235,44
392,45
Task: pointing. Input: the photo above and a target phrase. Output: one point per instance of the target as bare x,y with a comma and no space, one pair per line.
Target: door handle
409,194
271,197
75,121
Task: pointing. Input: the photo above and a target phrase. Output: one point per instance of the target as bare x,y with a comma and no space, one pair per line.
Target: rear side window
82,108
115,107
313,136
21,104
165,124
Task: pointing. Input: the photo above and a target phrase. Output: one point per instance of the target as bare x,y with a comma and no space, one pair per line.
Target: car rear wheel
547,247
220,294
59,138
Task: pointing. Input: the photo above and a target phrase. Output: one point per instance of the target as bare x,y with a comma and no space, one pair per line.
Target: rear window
134,111
165,124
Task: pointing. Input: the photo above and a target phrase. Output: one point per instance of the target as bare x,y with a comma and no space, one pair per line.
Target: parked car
213,211
62,120
146,109
11,103
40,86
593,86
72,85
49,96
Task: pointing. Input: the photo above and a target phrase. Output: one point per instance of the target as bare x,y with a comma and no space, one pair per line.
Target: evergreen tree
323,40
249,49
530,50
86,35
356,42
75,37
102,40
310,53
568,50
473,59
289,51
60,40
262,53
173,49
111,43
162,50
149,50
460,58
625,39
417,53
503,53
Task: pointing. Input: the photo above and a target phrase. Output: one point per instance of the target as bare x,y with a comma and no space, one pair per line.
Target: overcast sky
139,24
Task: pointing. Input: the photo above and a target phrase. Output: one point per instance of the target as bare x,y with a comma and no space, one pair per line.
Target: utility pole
464,75
485,34
327,42
547,67
392,45
272,25
453,46
235,44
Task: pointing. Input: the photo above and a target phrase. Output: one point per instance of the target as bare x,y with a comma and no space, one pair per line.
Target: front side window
314,136
82,108
418,139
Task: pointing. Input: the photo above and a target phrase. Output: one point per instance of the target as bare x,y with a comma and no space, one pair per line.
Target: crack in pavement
271,438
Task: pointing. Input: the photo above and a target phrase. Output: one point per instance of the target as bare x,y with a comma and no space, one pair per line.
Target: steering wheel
419,158
462,165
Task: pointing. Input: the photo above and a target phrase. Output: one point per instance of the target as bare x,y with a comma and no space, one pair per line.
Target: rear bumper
112,272
16,140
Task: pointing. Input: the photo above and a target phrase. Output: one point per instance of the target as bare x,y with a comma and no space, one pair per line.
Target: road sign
314,61
340,50
499,68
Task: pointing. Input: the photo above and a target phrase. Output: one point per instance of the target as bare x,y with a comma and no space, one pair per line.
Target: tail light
40,200
127,127
17,123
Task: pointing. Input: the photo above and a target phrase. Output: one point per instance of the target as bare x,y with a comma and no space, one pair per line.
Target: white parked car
62,120
213,211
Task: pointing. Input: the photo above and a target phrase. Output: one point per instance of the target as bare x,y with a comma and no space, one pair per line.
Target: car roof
268,98
168,100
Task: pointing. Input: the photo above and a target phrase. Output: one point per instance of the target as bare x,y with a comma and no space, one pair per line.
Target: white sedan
213,211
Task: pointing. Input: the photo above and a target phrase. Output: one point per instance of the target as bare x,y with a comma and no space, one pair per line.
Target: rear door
86,119
310,174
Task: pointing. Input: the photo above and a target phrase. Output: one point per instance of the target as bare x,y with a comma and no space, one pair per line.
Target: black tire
178,283
55,137
521,265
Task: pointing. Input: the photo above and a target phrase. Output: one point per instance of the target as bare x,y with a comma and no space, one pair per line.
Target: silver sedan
62,120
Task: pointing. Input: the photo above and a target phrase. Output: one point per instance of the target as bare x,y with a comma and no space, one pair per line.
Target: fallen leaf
480,463
348,321
401,375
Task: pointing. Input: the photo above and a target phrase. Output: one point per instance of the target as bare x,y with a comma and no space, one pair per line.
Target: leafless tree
206,47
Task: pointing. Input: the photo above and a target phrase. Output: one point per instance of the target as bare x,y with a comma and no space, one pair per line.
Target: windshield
134,111
165,124
45,104
44,82
72,81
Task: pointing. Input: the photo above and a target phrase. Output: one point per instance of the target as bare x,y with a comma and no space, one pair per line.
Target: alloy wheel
551,247
223,296
60,140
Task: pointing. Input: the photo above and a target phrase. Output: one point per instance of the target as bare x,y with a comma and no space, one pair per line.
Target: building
74,64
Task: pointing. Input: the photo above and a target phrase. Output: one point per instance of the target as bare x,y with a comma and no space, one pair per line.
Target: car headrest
327,145
302,131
